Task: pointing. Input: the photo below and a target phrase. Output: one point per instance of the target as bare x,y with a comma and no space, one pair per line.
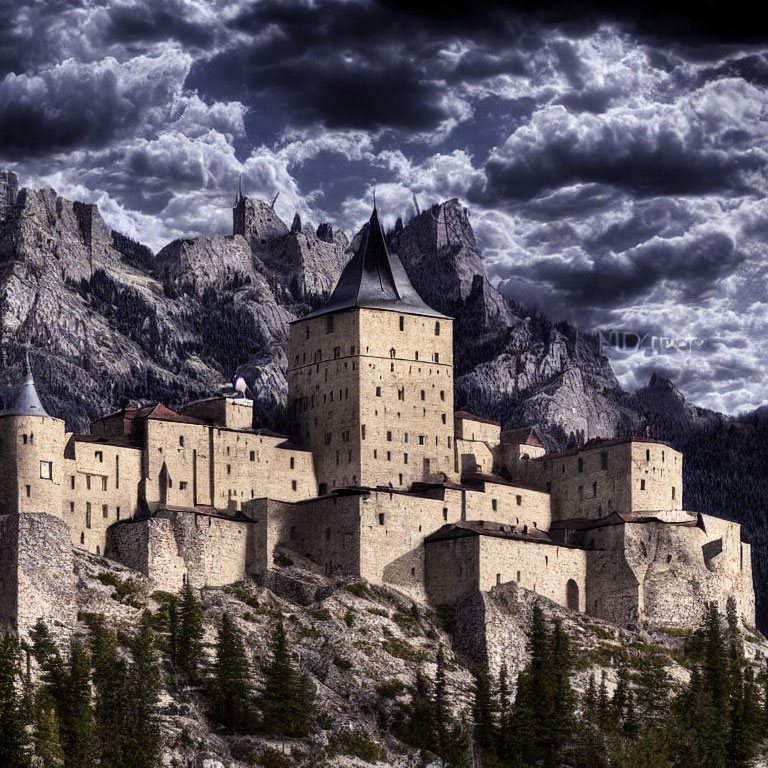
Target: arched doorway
572,595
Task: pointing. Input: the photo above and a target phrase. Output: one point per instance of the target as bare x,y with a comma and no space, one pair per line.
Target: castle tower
370,377
32,447
256,221
9,188
36,566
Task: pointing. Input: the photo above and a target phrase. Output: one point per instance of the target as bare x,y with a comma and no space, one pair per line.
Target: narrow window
494,505
594,490
421,439
362,431
117,471
581,465
253,455
445,514
306,332
72,482
498,579
519,500
24,439
389,437
647,454
82,537
327,438
229,469
378,391
46,470
518,576
88,515
104,511
293,485
329,323
642,485
336,353
104,483
99,456
405,458
443,418
389,456
402,323
117,513
88,482
442,394
662,455
381,518
603,461
437,328
292,463
581,492
71,507
183,486
28,489
673,491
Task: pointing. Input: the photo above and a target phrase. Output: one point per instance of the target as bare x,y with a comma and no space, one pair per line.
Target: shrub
310,632
271,758
407,623
126,591
379,612
356,745
403,650
391,689
358,589
349,617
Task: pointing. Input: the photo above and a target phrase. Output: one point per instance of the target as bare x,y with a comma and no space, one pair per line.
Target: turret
32,450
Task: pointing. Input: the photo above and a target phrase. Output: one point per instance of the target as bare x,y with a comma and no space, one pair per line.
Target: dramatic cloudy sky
615,163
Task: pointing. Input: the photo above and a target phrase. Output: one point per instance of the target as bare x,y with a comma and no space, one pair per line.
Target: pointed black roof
24,400
375,279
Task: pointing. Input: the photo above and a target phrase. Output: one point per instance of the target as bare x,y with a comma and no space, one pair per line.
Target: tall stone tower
36,566
9,188
370,377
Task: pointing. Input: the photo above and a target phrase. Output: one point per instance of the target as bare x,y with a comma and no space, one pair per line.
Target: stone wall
374,403
630,476
230,412
37,580
457,567
100,486
32,451
479,430
504,503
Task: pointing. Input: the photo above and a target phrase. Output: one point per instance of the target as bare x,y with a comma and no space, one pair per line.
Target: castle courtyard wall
457,567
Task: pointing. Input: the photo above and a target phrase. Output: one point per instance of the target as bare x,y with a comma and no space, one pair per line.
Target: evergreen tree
483,710
231,690
287,698
48,749
418,727
589,702
505,715
190,634
111,689
142,730
441,695
76,718
14,742
559,732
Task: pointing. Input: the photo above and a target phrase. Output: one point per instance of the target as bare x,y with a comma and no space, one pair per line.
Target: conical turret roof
376,279
24,401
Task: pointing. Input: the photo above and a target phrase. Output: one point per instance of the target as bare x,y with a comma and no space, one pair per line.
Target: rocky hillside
108,322
362,647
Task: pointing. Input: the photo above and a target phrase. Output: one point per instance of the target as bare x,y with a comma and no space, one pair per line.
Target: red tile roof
522,436
160,412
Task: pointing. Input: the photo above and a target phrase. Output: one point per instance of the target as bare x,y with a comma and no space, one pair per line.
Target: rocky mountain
107,322
362,647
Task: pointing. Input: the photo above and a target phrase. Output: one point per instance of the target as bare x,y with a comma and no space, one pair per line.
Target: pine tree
505,714
14,742
231,690
589,702
483,710
49,752
142,729
110,684
418,727
287,698
76,718
441,695
190,635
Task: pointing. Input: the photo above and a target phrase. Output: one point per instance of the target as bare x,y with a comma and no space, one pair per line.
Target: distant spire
24,401
374,197
240,188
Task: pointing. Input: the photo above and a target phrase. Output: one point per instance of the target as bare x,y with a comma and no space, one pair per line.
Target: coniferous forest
99,703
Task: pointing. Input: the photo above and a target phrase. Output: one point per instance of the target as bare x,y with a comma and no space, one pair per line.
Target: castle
9,188
379,478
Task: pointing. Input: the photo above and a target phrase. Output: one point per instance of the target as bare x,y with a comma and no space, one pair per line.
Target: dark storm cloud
688,268
156,20
559,150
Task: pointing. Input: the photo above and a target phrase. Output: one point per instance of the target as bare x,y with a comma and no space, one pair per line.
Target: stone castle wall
37,580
